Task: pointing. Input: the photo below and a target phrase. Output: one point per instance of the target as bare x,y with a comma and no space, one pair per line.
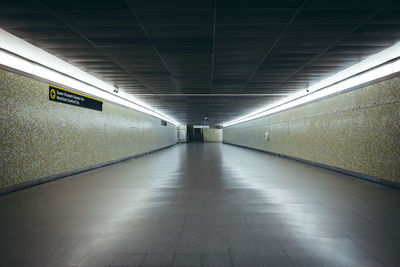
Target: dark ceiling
216,58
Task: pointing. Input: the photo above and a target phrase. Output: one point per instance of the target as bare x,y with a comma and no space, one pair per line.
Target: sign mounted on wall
58,94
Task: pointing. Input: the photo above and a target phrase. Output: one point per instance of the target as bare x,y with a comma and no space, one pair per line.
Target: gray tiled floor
202,205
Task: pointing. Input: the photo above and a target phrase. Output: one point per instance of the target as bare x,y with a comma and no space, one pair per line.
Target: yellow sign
52,93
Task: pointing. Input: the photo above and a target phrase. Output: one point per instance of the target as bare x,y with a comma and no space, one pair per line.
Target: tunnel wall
42,138
212,134
358,131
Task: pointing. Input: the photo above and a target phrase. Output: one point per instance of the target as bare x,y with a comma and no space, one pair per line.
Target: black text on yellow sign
61,95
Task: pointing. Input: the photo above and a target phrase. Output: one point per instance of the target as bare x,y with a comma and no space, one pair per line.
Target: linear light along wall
30,59
370,69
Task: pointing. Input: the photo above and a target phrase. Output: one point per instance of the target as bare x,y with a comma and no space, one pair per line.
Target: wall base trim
328,167
13,188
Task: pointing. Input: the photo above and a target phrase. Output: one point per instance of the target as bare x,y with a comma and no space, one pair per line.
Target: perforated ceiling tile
188,48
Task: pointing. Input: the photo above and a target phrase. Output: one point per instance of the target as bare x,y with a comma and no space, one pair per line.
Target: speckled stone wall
40,138
212,134
357,131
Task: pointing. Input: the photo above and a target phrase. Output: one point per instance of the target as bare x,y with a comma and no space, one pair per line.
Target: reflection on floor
202,205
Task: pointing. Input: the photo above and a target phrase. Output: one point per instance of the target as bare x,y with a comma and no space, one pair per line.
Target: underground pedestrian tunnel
200,133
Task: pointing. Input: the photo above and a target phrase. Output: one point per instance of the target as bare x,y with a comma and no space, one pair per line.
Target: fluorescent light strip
363,72
32,60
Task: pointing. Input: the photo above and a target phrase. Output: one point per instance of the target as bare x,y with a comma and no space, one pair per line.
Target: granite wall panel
212,134
40,138
357,131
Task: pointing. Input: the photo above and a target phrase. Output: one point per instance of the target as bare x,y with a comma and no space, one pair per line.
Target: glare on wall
374,67
27,58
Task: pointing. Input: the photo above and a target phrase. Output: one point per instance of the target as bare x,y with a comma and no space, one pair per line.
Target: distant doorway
194,134
198,135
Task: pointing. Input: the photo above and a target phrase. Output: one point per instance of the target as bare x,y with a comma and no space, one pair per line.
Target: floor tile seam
368,252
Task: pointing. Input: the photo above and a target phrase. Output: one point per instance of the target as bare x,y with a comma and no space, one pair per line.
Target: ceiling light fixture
27,58
370,69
